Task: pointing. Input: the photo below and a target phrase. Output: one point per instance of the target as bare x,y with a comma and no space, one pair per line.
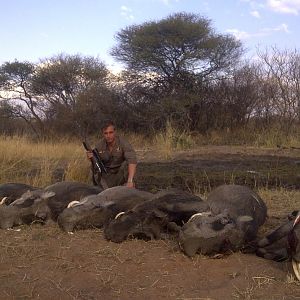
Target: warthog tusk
297,220
206,213
119,214
3,200
73,203
70,232
296,268
257,200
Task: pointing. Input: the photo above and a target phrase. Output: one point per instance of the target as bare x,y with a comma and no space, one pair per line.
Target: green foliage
179,70
181,43
170,60
67,75
15,73
76,92
65,93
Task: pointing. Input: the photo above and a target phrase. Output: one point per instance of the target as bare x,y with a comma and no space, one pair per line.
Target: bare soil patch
207,167
42,262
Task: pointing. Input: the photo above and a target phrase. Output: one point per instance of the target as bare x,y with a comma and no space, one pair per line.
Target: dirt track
41,262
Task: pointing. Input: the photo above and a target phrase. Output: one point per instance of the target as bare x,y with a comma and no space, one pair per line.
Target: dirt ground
202,169
42,262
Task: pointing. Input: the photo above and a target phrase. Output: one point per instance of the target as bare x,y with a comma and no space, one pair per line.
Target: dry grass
271,137
35,163
41,163
171,140
254,283
23,160
280,202
20,148
138,141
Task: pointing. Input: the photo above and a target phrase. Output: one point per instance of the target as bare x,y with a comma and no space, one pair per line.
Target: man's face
109,134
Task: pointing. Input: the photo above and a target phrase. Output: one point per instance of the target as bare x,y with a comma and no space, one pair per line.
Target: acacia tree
65,93
181,44
174,56
15,83
61,78
74,88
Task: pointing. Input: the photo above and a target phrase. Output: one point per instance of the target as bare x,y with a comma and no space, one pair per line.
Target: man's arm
131,173
131,159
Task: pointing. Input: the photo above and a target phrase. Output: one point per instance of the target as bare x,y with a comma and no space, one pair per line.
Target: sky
32,30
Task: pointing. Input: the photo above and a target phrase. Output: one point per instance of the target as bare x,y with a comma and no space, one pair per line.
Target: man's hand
130,184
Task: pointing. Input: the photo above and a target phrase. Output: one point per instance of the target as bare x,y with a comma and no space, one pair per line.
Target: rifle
96,163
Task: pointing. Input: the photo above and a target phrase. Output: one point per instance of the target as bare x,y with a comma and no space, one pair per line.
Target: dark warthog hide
96,210
43,204
282,242
163,214
9,192
236,213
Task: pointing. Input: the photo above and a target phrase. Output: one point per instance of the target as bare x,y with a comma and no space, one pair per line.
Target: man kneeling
118,157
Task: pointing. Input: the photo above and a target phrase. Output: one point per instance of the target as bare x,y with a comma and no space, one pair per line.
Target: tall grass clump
172,139
274,137
77,170
137,140
42,175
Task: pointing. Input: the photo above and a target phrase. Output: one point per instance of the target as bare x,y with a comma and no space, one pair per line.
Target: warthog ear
159,214
47,195
244,221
